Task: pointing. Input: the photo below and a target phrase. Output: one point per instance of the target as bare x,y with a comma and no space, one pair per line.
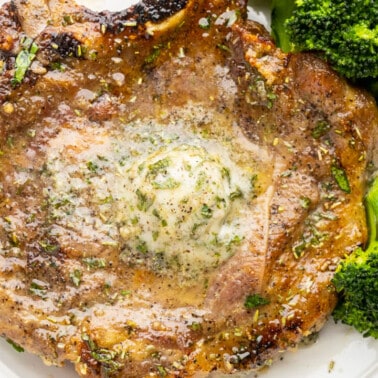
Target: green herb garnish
24,60
305,202
106,357
94,262
169,183
76,277
206,211
341,178
236,194
321,128
255,300
144,201
142,247
39,289
159,166
15,346
93,167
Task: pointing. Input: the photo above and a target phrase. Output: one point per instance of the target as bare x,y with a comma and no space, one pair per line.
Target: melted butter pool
169,196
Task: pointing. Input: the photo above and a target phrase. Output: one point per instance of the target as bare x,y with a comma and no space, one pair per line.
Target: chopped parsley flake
159,166
76,277
341,178
169,183
94,263
15,346
320,129
24,60
206,211
255,300
144,201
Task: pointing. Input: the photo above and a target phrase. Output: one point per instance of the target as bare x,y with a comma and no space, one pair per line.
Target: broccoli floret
281,12
344,32
356,278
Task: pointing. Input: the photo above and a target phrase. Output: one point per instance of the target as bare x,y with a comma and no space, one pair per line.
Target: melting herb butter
179,203
166,196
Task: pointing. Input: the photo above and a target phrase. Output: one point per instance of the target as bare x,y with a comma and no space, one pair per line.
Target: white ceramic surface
339,352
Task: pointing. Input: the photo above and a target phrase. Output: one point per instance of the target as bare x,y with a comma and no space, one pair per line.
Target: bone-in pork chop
175,191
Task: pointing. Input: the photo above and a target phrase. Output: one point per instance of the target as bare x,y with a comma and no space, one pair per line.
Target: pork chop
176,192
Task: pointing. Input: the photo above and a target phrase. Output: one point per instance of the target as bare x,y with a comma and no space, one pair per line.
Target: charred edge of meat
4,90
9,22
4,58
157,11
260,348
8,16
149,10
65,45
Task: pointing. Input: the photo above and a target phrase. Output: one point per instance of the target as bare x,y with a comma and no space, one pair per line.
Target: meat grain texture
176,192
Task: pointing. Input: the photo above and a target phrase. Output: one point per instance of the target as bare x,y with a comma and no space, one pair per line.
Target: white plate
339,352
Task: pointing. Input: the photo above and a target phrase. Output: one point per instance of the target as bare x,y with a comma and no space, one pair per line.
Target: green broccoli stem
372,212
281,11
356,277
344,33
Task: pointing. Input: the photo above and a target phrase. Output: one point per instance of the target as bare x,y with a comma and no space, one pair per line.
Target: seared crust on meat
70,295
